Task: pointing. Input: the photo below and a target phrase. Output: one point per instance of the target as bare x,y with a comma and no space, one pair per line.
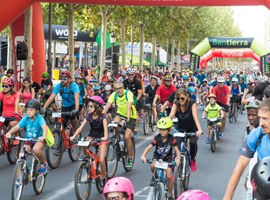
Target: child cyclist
213,111
98,129
35,127
164,143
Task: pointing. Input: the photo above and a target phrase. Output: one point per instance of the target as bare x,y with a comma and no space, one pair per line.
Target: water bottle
121,144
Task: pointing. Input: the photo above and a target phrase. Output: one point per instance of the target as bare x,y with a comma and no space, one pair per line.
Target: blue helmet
96,87
91,81
185,77
191,90
103,83
191,84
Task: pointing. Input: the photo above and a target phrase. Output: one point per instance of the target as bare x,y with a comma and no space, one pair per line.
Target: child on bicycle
35,127
164,143
214,111
98,129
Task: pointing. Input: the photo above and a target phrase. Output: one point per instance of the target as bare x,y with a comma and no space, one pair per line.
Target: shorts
131,124
210,123
225,108
32,144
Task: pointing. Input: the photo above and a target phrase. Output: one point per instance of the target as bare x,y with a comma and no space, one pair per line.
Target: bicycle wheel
187,174
82,181
213,140
38,179
235,113
126,156
231,115
18,181
146,124
112,156
54,154
74,150
178,180
13,151
159,191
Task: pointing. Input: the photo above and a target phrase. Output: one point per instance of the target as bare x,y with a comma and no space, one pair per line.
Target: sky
251,20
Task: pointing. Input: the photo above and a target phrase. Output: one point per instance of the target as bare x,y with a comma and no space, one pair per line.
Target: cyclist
222,93
164,143
83,92
235,91
257,93
214,111
192,91
124,101
35,127
258,141
97,90
98,129
123,77
71,100
194,195
147,77
204,90
46,86
107,92
102,85
118,188
186,112
26,92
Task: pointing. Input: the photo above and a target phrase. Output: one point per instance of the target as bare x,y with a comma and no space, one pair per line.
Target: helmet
96,87
212,96
154,77
165,123
168,77
65,73
78,76
119,184
185,77
124,73
205,80
191,84
33,103
10,71
97,100
8,81
91,81
191,90
260,179
130,71
252,104
108,87
221,79
138,75
194,195
234,79
102,83
45,74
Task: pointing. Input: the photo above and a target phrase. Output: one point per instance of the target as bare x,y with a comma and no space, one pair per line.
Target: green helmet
165,123
252,104
45,74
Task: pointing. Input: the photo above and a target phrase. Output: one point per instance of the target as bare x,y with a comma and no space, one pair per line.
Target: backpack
259,140
70,89
126,91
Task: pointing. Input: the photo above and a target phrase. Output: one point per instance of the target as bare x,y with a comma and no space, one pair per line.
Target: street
214,170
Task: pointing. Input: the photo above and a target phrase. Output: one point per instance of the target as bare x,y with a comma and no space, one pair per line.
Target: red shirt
9,104
165,92
221,94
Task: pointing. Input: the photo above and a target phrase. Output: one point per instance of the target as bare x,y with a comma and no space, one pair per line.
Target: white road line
150,194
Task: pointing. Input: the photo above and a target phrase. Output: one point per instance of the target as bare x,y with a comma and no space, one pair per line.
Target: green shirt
213,111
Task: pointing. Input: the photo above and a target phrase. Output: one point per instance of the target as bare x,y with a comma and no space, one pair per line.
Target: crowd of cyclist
172,94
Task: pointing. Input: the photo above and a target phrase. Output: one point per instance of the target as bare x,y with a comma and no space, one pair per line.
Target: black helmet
10,71
260,179
32,103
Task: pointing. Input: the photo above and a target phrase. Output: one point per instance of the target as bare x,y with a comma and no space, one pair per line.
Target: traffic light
115,58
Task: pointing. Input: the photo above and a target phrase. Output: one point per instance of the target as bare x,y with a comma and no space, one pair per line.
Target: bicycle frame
5,144
94,160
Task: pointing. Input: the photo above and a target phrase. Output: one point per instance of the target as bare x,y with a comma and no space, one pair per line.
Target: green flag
108,40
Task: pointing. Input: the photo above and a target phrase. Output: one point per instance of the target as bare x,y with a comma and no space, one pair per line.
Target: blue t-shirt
82,87
68,98
248,148
33,129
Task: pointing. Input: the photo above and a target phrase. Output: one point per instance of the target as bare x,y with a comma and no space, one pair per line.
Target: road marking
150,194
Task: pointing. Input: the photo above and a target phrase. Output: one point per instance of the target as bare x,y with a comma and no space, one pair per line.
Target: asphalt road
214,170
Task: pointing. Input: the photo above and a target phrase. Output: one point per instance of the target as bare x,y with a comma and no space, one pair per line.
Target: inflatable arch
230,43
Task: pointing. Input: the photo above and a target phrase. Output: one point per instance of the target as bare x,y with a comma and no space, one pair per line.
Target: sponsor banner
194,61
230,42
265,63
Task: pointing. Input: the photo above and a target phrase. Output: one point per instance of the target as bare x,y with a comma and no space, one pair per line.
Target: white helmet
234,79
130,71
108,87
124,73
221,79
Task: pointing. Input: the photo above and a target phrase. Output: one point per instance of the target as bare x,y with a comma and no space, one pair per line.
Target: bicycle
213,133
182,174
233,111
54,154
8,146
88,169
27,171
148,121
49,109
161,184
117,148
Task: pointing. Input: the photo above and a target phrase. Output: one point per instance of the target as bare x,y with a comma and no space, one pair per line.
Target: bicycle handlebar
25,139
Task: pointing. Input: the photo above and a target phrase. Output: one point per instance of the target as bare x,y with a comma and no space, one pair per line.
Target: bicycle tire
178,180
38,179
231,116
160,191
235,113
113,148
17,182
74,151
13,152
83,166
146,124
153,127
213,141
54,154
187,174
124,159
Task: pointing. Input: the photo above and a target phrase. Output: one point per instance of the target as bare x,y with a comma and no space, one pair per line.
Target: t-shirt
171,97
133,86
200,78
122,103
248,147
164,149
26,96
46,83
68,98
151,93
33,129
96,126
9,104
165,92
82,87
221,94
212,111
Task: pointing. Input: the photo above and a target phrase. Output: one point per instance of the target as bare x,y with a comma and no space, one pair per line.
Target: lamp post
181,58
158,58
114,62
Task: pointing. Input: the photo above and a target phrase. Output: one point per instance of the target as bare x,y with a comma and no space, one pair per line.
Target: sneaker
42,169
152,182
193,166
129,162
207,140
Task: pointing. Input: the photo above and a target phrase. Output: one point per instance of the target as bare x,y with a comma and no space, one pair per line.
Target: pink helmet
119,184
194,195
8,81
97,100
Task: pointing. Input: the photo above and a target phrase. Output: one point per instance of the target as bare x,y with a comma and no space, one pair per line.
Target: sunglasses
5,86
114,198
63,78
181,99
118,89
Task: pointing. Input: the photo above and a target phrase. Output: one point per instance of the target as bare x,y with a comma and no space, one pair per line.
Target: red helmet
65,73
8,81
138,75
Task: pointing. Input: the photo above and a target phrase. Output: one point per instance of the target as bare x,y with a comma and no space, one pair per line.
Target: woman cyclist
147,77
235,91
26,92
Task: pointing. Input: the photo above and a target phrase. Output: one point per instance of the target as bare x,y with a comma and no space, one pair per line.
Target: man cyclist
124,101
46,86
71,100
